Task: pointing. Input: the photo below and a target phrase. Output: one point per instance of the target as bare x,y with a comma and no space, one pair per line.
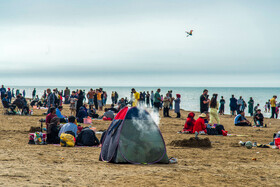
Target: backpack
87,138
67,140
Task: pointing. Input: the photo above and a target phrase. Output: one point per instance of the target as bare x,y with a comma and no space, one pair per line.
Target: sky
140,43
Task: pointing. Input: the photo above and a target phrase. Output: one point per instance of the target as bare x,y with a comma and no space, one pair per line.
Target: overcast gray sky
140,43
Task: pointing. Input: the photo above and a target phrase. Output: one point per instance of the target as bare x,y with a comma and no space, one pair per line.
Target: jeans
157,105
90,101
273,112
166,111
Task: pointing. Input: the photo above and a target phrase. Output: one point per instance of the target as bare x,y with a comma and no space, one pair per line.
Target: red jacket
199,125
190,122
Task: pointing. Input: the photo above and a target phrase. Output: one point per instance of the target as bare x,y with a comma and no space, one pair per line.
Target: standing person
157,99
204,101
214,106
166,105
104,98
136,97
23,93
177,105
148,99
251,106
66,95
239,104
3,92
141,100
222,106
244,105
171,101
144,97
73,103
99,99
50,100
268,105
13,93
152,98
34,93
90,95
79,101
116,97
273,106
233,105
17,92
113,97
9,94
95,99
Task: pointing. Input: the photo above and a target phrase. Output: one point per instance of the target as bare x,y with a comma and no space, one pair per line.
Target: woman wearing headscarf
177,105
190,122
53,130
80,101
214,106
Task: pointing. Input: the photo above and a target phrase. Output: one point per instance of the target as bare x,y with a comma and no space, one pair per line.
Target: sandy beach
225,164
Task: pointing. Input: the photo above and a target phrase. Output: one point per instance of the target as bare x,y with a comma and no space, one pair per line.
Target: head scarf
191,115
178,95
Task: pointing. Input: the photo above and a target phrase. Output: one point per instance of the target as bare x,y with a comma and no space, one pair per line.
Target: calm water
189,95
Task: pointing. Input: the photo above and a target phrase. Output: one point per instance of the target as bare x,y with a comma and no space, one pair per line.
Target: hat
203,115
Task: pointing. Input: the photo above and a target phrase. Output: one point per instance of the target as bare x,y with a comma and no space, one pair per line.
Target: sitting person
59,115
199,125
70,127
7,105
49,117
18,102
258,118
33,102
82,113
53,130
92,112
240,120
25,109
190,122
87,138
115,110
121,104
108,115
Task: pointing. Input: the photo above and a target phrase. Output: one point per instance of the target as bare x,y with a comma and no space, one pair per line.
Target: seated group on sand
201,125
84,136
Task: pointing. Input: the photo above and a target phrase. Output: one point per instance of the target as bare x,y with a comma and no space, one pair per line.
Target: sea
189,95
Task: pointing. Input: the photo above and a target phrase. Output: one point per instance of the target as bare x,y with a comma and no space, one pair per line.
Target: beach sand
225,164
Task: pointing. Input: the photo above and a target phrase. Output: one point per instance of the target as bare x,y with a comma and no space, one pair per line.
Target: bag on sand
67,140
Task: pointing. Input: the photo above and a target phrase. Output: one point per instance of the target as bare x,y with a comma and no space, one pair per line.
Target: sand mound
192,142
35,129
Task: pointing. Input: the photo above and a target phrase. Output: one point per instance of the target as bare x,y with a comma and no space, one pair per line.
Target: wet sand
224,164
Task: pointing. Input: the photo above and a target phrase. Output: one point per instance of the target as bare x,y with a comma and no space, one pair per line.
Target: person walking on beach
233,105
166,105
23,93
3,92
90,95
239,104
66,95
273,106
251,106
157,100
222,106
268,106
204,101
50,100
34,93
148,99
214,106
152,98
9,94
113,97
136,97
177,102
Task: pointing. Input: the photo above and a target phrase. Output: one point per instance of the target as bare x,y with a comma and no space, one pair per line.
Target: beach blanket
78,145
